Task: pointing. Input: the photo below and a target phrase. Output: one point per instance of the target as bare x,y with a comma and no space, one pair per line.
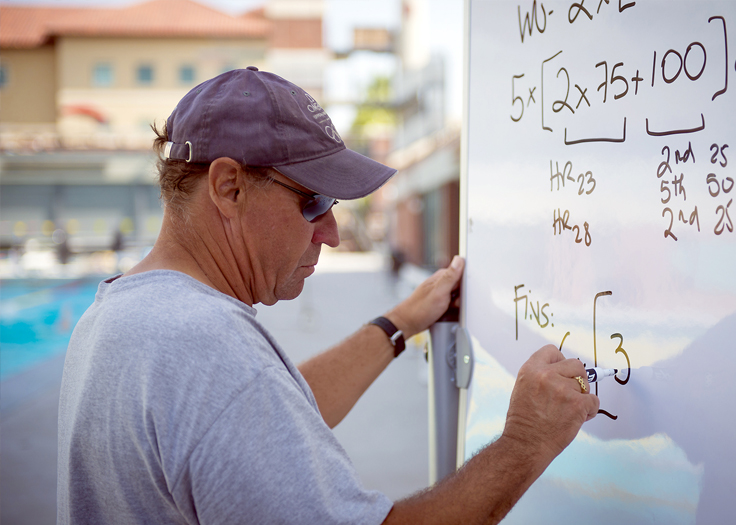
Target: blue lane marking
37,318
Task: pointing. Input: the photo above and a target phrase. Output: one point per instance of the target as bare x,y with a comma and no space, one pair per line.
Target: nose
325,230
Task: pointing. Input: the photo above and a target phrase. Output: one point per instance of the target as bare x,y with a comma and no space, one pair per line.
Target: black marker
596,374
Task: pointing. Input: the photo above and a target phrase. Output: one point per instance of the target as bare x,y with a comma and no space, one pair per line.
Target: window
144,75
186,75
102,75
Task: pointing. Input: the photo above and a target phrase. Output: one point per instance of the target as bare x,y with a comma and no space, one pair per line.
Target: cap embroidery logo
321,116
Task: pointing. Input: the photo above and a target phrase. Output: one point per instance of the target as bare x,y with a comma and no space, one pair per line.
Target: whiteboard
600,168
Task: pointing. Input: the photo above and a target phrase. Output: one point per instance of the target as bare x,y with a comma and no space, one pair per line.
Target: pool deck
29,404
386,434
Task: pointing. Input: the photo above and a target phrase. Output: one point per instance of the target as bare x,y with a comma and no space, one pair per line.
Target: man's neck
185,250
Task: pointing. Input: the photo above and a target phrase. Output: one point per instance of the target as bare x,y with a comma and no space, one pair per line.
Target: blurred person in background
63,252
118,242
177,406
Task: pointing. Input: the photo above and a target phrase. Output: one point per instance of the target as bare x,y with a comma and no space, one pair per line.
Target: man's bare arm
546,411
340,375
545,414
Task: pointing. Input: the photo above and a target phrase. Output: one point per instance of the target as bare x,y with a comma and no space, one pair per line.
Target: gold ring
583,388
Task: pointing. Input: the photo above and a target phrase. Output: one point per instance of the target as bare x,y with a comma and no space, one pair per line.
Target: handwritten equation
563,90
617,79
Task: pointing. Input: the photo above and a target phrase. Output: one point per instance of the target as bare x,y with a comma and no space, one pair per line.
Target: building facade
80,88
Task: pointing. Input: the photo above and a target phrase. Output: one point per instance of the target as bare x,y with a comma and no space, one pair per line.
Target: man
177,406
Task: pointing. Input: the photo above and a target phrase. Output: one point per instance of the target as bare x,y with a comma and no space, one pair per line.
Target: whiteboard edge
463,244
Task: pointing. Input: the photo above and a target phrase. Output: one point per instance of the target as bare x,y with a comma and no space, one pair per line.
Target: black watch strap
394,334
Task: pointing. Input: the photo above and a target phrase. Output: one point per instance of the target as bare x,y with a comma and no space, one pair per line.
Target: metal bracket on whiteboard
451,368
463,358
444,398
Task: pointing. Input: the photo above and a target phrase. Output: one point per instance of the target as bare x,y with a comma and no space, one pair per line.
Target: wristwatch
394,334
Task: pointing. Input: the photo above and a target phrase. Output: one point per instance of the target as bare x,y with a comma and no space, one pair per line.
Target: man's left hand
429,301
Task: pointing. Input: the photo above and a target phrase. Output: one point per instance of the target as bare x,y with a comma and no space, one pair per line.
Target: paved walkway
385,434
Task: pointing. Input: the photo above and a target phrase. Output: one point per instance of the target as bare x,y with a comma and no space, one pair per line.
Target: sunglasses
316,204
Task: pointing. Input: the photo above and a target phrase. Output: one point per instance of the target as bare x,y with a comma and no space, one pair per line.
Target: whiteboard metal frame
463,236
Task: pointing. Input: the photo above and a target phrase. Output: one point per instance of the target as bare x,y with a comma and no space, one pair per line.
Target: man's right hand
547,405
546,412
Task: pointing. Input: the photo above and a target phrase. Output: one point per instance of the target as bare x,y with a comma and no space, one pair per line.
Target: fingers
547,355
574,369
429,301
455,298
593,403
453,273
549,403
449,280
567,368
571,368
579,380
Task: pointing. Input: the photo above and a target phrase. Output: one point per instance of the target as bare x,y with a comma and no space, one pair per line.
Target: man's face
281,246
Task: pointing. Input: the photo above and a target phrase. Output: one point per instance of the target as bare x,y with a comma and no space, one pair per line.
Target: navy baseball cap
259,119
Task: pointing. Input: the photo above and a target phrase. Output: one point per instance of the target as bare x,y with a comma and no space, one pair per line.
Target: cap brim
341,175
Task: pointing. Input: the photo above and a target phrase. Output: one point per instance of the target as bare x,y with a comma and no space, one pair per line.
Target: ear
226,183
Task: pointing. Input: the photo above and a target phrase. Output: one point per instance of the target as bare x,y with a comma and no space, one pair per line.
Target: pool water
37,317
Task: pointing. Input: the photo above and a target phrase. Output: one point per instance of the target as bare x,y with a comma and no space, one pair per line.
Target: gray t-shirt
177,406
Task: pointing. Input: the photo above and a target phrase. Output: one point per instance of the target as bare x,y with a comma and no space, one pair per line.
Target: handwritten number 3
628,363
581,180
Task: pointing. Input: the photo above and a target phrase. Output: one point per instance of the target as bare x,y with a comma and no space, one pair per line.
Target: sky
443,35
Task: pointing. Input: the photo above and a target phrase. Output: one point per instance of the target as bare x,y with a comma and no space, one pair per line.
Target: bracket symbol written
619,349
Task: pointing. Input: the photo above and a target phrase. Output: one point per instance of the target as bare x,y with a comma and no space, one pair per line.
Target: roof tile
27,27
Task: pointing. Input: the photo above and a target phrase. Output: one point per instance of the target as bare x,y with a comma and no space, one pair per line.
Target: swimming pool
37,317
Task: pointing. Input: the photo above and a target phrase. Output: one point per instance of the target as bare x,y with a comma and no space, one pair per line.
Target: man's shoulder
168,342
175,290
170,300
168,318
